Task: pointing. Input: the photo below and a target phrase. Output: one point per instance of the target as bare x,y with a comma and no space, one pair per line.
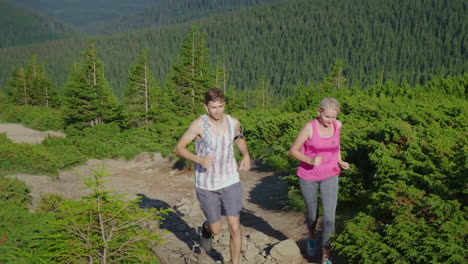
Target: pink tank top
328,148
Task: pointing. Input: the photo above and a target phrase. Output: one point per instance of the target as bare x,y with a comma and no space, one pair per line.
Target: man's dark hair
213,95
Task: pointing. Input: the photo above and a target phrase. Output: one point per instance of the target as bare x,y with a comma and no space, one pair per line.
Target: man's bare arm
190,135
242,145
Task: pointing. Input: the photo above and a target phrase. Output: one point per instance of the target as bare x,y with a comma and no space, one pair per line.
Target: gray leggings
329,195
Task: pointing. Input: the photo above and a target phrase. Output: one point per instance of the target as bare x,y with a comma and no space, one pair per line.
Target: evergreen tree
32,87
88,98
141,94
336,80
17,90
221,74
100,228
45,91
190,77
31,77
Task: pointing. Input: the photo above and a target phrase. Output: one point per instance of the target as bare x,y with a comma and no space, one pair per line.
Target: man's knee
215,229
235,229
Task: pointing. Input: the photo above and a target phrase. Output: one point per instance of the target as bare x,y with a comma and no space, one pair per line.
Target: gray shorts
226,201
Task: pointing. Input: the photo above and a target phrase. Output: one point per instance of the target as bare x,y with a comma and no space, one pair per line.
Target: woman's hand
315,161
343,164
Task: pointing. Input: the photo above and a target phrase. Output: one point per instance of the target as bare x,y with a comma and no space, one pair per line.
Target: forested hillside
167,12
287,43
80,13
19,26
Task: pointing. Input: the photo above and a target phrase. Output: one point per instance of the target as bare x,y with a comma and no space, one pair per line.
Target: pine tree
221,74
88,98
190,77
32,87
17,90
45,91
336,80
141,94
31,77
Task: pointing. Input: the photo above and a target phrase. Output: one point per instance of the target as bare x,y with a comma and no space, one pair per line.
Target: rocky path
271,233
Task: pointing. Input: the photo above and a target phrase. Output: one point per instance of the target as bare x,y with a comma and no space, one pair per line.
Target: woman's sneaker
311,250
206,239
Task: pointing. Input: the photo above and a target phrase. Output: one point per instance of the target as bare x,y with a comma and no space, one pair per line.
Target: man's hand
206,162
245,164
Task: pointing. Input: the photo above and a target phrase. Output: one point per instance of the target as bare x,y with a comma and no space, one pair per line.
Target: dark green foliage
167,12
18,226
405,225
288,43
20,26
88,99
102,226
32,86
142,95
44,92
50,202
35,117
336,80
17,89
168,129
14,190
419,141
270,134
4,105
109,141
190,77
27,158
79,13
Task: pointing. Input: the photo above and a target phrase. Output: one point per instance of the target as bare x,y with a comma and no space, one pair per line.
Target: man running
216,174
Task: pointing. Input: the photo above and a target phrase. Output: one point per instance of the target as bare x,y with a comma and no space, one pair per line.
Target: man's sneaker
311,250
206,239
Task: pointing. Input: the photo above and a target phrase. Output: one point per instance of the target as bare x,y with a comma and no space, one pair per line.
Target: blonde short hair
329,103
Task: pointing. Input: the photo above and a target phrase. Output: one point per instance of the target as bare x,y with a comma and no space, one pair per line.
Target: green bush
101,226
18,226
26,158
14,190
35,117
404,225
50,202
68,154
47,158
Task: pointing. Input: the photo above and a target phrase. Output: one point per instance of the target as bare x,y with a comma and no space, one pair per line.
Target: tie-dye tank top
223,171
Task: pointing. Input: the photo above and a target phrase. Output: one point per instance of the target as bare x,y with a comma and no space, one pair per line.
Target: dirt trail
265,219
18,133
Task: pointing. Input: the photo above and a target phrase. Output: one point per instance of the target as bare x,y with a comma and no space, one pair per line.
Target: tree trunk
146,96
